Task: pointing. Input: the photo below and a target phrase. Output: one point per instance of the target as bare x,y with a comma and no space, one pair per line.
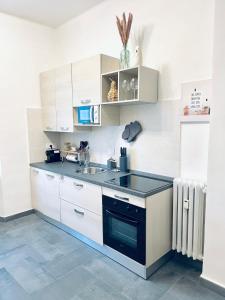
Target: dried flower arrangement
124,27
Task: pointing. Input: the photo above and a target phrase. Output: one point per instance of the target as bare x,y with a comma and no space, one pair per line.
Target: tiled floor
40,262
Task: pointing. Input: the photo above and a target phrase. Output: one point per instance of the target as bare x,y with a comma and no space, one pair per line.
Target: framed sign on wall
196,97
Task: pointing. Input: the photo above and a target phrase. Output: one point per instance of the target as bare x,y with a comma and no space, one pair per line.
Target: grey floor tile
66,263
67,287
10,289
30,275
98,290
143,289
164,278
111,273
186,289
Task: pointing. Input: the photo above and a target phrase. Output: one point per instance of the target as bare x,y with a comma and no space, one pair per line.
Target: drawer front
83,194
82,220
124,197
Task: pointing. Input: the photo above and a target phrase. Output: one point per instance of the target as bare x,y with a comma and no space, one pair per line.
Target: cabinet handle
64,128
121,198
50,176
78,185
85,101
78,212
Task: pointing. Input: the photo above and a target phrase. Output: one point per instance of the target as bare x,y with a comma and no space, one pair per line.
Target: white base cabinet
45,193
82,220
75,203
81,193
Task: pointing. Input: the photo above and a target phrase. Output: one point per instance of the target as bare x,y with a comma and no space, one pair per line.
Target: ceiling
52,13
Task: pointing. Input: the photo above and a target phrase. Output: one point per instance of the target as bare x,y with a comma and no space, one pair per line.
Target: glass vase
124,58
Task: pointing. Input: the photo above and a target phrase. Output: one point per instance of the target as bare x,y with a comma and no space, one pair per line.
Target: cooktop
140,183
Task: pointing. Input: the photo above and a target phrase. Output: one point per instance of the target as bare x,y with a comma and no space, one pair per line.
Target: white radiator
188,217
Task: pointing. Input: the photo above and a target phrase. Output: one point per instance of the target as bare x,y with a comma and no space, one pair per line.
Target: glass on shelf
134,87
126,88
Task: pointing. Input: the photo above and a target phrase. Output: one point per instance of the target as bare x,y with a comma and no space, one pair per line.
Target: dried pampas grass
124,27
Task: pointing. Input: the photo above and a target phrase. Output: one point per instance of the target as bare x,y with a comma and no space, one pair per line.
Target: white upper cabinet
64,96
56,96
86,77
47,89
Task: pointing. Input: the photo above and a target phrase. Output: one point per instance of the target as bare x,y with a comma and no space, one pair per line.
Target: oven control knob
136,210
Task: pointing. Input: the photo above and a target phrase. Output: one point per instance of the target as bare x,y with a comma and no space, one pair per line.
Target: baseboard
17,216
213,286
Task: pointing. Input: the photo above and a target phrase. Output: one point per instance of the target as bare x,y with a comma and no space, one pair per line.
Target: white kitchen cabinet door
37,189
47,88
57,99
86,81
83,221
51,200
45,193
65,120
64,99
49,118
81,193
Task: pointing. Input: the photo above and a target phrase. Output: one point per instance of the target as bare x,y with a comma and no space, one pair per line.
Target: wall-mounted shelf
135,85
195,119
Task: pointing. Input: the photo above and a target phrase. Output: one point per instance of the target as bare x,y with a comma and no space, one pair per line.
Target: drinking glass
126,88
134,87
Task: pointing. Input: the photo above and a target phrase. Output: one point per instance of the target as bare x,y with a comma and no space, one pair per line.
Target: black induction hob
140,183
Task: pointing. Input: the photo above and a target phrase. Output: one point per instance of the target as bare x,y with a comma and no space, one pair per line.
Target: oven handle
121,218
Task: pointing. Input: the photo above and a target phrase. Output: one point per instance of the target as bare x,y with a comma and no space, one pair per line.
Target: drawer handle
78,212
78,185
85,101
121,198
50,176
64,128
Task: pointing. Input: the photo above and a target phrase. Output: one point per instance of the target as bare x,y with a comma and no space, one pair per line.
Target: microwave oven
89,114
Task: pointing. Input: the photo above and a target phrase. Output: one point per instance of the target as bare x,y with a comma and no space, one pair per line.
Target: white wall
26,49
214,262
178,42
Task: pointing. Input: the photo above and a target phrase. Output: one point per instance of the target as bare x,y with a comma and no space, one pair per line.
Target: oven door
124,234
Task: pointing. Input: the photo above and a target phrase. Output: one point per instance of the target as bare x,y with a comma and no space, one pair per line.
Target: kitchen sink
90,170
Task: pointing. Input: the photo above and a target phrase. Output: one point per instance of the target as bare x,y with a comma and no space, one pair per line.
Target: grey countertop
69,169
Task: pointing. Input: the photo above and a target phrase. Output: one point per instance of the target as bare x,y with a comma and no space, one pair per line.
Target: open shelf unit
135,85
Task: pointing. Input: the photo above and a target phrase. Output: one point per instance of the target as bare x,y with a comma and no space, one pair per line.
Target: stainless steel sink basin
90,170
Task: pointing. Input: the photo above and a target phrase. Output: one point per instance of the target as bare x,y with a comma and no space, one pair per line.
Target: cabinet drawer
83,194
82,220
124,197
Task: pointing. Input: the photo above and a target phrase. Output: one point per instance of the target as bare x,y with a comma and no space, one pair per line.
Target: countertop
69,169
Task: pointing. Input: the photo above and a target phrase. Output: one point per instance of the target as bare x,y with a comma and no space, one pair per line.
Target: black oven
124,228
